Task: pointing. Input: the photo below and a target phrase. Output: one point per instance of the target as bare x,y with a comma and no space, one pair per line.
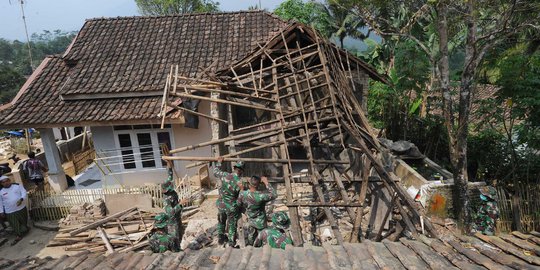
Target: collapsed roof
303,91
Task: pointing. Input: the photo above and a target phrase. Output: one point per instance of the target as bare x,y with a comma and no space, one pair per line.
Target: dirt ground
33,244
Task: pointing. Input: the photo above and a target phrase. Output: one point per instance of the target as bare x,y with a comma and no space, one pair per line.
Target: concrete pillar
57,176
214,112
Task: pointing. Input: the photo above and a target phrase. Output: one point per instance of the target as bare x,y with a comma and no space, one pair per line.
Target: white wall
188,136
104,139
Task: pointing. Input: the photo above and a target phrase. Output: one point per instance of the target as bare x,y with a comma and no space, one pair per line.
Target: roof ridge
185,15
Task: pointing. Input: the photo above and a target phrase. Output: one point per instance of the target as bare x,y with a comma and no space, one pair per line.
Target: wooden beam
102,221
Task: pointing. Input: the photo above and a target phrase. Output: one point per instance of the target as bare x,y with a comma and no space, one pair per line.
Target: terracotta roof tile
132,54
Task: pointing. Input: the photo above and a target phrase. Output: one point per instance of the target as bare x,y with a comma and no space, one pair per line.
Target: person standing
277,236
35,169
488,212
227,205
254,203
13,207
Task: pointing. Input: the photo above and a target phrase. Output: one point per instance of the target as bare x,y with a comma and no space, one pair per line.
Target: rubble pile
85,212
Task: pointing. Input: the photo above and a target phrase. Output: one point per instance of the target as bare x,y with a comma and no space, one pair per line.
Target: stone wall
440,202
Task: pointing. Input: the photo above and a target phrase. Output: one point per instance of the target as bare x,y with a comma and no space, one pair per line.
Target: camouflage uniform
275,237
160,241
226,203
173,209
254,202
485,220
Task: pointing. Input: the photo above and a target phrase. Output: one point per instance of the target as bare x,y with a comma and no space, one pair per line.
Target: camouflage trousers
252,234
230,218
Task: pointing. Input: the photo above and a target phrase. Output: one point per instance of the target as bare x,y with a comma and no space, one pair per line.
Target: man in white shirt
13,207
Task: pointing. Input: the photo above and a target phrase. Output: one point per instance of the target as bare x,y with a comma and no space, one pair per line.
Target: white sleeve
22,192
1,205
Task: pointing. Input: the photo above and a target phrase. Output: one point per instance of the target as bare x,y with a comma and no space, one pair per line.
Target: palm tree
343,22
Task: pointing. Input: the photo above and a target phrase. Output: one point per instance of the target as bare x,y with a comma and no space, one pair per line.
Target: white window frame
136,149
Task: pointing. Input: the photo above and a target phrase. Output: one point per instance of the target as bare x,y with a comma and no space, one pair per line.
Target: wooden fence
527,205
47,205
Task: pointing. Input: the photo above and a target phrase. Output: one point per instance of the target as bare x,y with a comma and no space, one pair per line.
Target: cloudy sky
69,15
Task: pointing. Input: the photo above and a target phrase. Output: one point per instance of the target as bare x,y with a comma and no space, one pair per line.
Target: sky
69,15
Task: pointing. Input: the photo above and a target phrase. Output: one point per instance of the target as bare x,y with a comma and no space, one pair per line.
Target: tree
342,22
10,81
171,7
476,26
14,60
310,13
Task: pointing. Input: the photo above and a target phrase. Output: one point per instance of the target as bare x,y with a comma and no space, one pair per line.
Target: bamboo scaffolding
303,88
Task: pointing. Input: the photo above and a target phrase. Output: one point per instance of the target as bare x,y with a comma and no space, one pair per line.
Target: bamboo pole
224,101
195,113
256,160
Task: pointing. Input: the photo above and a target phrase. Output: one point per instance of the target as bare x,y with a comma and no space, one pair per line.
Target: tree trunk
457,135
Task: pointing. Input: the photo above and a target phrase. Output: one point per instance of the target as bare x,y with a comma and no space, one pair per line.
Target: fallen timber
303,90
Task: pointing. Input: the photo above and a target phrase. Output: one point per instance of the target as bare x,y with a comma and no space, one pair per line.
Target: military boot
222,239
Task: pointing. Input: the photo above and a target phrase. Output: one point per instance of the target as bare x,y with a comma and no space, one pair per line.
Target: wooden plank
522,244
508,248
359,257
355,234
382,256
176,261
407,257
454,257
311,259
504,260
284,153
101,221
337,257
105,240
265,258
224,258
434,260
246,255
531,238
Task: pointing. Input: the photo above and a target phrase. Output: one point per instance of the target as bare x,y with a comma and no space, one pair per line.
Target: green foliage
519,79
310,13
492,156
10,81
15,63
171,7
342,21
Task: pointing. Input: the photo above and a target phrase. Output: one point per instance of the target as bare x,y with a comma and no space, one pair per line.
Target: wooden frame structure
302,90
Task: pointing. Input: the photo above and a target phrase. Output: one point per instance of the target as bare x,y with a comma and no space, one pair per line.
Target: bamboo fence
47,205
528,204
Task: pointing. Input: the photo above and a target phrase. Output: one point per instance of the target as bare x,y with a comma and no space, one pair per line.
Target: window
140,146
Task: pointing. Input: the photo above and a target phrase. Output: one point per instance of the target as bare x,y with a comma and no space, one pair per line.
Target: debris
214,259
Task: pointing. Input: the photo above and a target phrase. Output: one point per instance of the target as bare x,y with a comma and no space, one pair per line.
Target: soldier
173,209
160,241
227,205
254,203
276,236
486,217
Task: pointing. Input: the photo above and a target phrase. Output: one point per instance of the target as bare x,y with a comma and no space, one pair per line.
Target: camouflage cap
239,165
160,220
281,220
255,180
167,187
489,192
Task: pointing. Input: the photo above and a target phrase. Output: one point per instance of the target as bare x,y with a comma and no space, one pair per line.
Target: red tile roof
119,57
